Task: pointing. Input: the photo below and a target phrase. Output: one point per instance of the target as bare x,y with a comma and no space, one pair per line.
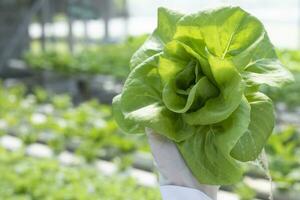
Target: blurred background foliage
56,92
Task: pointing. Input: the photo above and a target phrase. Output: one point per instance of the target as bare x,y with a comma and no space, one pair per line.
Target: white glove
172,168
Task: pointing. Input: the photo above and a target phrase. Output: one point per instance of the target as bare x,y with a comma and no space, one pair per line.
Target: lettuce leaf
196,81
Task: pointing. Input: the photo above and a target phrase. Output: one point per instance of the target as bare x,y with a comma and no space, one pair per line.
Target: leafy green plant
54,120
244,191
196,81
108,59
290,58
289,94
284,150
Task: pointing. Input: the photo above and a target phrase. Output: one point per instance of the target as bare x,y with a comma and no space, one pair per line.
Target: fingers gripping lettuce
196,81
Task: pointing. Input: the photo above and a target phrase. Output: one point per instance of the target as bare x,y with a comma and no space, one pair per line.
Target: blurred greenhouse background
62,61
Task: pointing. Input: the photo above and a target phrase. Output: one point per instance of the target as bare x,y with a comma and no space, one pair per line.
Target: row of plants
108,59
87,128
28,178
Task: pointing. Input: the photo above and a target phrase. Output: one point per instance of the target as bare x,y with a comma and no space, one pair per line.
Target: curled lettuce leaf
196,81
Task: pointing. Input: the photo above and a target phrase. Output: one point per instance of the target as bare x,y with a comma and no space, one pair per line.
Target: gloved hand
171,166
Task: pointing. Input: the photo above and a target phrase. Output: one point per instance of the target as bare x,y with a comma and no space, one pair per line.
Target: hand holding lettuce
196,81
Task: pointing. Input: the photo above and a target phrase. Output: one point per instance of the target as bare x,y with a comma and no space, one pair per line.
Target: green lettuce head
196,81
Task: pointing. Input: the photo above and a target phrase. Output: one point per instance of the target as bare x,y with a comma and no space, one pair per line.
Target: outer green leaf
127,125
166,28
267,71
226,31
142,87
152,46
207,153
160,119
167,20
260,128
